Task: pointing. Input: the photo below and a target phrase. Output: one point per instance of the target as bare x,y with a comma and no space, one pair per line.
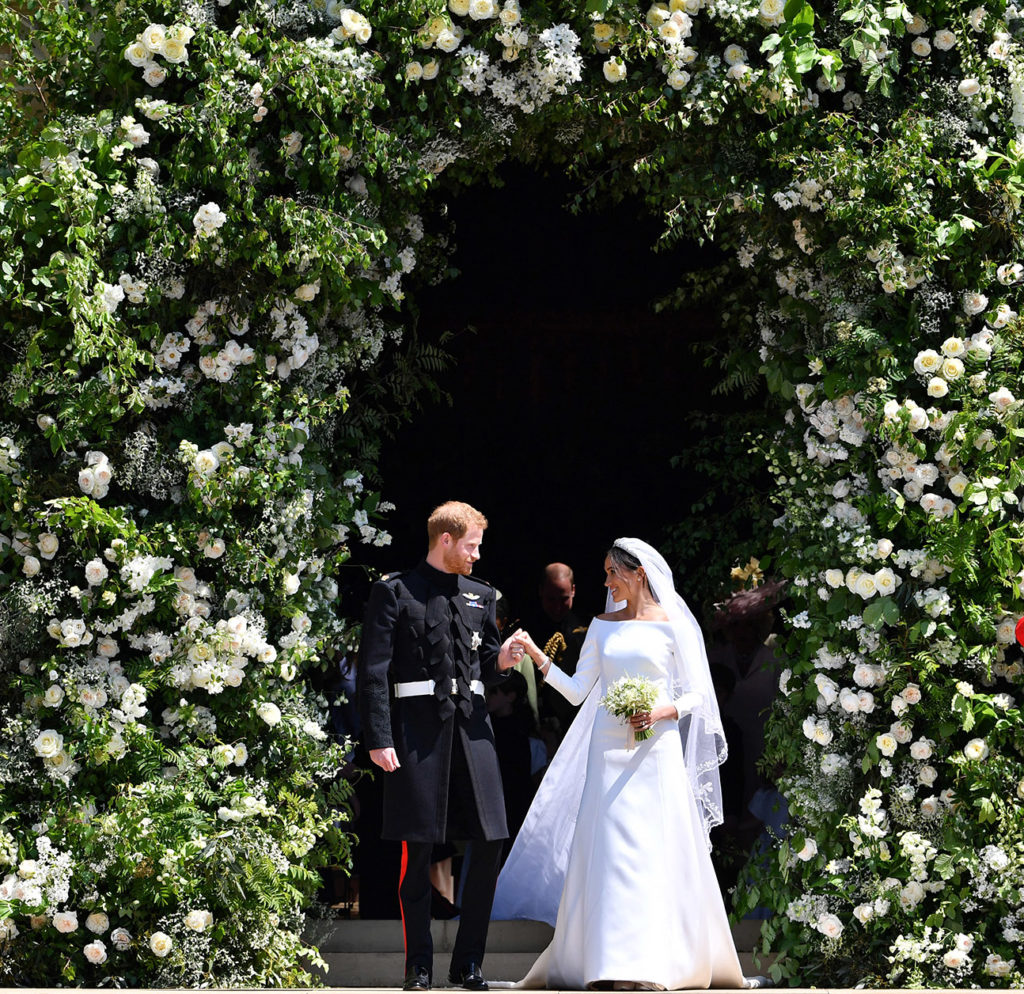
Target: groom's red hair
454,517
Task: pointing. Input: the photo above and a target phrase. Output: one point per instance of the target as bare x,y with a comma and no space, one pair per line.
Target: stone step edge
339,935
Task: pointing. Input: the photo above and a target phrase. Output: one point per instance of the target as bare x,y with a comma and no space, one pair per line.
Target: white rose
885,581
969,87
974,303
922,749
241,754
160,943
958,484
944,40
95,572
269,712
614,70
866,586
97,922
808,851
96,952
48,743
214,549
198,921
883,548
912,693
864,913
153,38
912,894
886,743
952,369
830,926
459,7
30,566
976,749
921,47
53,696
48,544
121,938
835,578
65,921
953,959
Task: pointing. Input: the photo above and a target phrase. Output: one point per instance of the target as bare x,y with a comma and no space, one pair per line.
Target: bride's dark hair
621,557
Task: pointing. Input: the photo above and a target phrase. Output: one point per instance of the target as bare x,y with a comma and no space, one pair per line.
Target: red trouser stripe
401,879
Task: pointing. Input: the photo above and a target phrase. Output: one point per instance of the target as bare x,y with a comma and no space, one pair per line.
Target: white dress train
640,901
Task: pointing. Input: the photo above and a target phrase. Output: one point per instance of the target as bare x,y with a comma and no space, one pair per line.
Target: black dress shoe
468,978
417,978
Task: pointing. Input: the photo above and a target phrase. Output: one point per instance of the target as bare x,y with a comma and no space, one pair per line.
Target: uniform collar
448,582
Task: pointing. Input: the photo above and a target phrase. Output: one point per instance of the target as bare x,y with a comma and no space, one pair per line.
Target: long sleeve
575,688
685,703
375,652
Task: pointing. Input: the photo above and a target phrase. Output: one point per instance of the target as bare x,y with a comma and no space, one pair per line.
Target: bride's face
622,582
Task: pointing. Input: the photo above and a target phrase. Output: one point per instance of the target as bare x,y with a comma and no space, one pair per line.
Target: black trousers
477,897
481,874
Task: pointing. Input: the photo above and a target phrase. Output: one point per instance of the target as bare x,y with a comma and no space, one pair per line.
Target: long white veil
530,884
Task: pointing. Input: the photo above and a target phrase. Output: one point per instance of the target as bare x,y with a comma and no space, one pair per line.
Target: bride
621,832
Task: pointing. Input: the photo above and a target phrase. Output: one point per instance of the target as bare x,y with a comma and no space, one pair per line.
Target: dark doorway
570,394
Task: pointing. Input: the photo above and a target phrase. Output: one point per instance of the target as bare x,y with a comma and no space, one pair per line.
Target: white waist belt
425,688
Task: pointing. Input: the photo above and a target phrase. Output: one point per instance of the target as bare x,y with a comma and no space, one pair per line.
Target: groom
430,646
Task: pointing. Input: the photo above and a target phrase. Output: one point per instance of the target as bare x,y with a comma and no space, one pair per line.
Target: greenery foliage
211,213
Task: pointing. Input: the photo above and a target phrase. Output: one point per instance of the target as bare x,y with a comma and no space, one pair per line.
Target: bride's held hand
644,720
522,637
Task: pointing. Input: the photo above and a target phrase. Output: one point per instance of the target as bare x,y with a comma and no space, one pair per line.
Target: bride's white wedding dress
640,900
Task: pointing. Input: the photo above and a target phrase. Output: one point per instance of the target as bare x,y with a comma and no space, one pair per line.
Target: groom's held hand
386,759
511,653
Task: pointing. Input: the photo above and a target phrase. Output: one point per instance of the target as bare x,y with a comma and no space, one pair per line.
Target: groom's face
461,553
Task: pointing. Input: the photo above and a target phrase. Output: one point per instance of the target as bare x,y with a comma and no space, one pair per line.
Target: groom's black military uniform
429,648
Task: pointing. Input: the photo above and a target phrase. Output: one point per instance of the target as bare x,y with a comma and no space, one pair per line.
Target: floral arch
214,217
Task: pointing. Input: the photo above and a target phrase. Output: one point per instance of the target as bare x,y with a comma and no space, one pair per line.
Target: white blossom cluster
159,41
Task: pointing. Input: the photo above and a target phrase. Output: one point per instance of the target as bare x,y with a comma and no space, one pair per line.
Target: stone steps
370,954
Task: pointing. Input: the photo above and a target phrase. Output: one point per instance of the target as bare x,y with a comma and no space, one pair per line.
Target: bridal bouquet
628,696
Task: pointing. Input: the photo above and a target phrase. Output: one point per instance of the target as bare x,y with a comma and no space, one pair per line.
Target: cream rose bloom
160,943
614,70
886,743
65,921
269,712
97,922
198,921
969,87
976,749
95,952
48,743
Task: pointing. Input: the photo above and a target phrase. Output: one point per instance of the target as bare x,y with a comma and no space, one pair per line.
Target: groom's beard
454,563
